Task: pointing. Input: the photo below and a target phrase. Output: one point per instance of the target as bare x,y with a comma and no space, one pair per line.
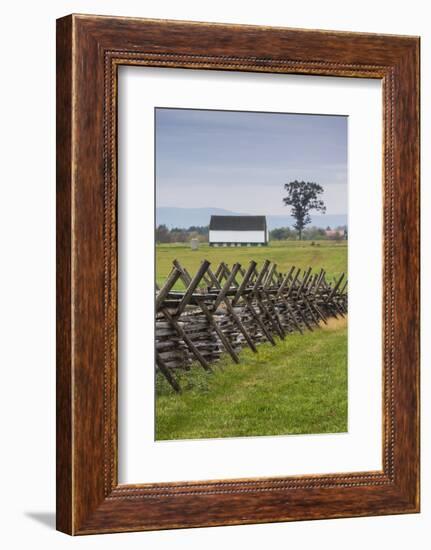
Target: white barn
238,231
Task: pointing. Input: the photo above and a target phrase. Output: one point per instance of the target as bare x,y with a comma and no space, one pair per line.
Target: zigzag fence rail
229,308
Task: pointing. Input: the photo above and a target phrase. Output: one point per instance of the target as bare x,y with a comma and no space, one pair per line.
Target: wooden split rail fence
229,308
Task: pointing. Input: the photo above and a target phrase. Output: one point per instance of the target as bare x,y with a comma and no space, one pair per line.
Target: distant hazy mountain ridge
186,217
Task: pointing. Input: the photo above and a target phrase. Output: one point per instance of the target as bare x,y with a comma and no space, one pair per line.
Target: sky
239,161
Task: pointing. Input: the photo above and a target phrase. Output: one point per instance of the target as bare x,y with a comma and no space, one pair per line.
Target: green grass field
330,255
296,387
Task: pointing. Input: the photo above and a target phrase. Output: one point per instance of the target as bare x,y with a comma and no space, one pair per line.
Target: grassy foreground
296,387
330,255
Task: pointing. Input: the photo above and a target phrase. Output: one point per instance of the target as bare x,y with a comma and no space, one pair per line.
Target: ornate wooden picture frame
89,51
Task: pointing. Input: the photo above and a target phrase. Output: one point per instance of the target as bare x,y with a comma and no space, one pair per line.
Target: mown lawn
296,387
330,255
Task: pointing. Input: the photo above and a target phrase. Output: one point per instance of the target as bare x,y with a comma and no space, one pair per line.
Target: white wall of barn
236,236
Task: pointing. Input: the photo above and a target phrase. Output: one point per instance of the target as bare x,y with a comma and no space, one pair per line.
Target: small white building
238,231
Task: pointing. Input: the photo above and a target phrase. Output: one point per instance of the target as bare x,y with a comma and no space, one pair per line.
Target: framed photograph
237,274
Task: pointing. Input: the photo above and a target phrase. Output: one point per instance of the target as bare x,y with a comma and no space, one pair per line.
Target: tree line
181,235
164,235
313,233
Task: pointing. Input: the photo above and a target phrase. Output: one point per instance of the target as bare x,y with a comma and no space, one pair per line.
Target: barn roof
238,223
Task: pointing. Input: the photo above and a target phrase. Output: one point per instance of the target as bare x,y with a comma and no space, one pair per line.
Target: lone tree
303,196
